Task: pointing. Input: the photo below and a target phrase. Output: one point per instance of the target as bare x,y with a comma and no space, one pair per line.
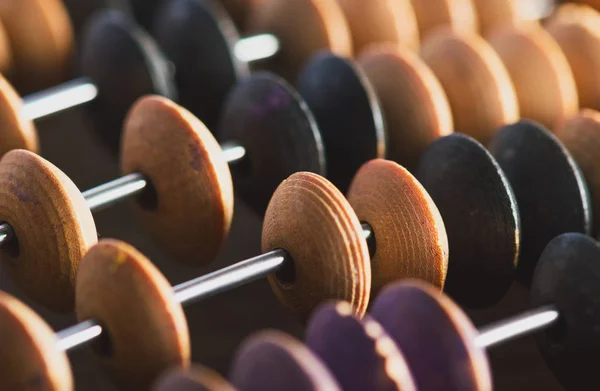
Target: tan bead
377,21
30,359
581,135
410,236
303,27
310,219
477,84
41,38
495,13
146,330
456,14
195,378
194,191
576,28
540,72
6,54
52,223
17,132
414,105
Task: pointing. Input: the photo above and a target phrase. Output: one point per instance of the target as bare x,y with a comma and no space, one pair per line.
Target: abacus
324,195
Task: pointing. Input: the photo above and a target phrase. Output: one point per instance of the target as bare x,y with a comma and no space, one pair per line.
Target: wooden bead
274,361
592,3
581,136
310,219
6,53
17,132
53,226
415,108
191,209
410,236
359,353
481,94
303,27
195,378
494,13
540,72
549,187
435,336
41,38
272,122
567,277
456,14
374,21
347,112
145,331
576,28
481,218
30,359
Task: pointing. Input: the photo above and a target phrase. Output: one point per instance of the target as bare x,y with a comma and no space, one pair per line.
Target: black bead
550,190
568,277
480,215
273,123
81,11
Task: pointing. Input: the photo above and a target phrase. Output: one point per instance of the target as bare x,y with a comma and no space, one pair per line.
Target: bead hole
103,346
11,248
148,198
286,275
557,333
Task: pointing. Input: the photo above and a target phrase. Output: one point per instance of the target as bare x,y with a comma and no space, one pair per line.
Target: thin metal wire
53,100
257,47
113,192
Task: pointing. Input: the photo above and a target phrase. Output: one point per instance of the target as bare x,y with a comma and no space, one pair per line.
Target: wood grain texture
358,352
310,219
477,84
415,107
192,182
41,38
581,135
481,218
146,329
195,378
377,21
17,132
410,236
576,28
30,360
303,27
540,72
459,15
273,361
495,13
52,223
436,337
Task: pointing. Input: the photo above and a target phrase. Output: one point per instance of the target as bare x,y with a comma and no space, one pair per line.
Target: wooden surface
219,324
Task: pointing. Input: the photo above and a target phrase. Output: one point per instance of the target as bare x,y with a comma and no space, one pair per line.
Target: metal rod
56,99
257,47
517,326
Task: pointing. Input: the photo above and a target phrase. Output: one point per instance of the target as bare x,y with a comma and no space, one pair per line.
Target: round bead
30,359
347,112
302,27
6,53
359,353
410,236
415,108
53,226
576,28
191,207
124,64
199,39
271,121
41,38
550,190
494,13
375,21
478,86
581,136
310,219
458,14
435,336
82,11
195,378
145,330
481,217
540,72
567,277
274,361
17,131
